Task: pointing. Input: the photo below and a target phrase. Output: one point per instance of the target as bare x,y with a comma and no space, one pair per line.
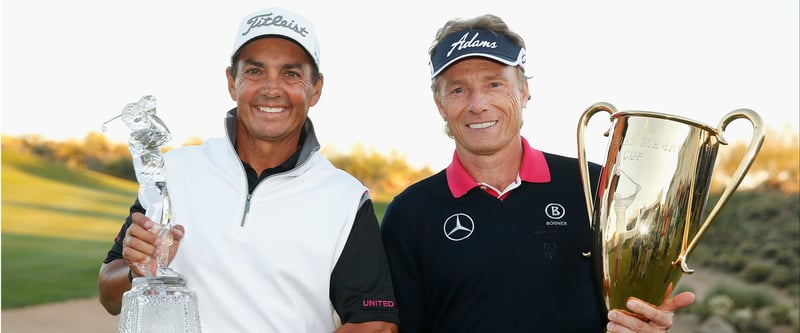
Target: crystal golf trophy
159,303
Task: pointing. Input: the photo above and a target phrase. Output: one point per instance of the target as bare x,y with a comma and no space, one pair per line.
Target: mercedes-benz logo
458,227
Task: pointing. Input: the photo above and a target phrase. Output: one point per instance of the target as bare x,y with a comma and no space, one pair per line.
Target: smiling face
481,100
273,90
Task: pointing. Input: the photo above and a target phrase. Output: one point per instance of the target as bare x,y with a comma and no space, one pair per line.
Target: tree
776,166
384,176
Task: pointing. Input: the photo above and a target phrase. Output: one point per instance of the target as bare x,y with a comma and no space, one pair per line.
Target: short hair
488,22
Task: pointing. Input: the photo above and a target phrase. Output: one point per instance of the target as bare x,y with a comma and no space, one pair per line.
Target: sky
68,66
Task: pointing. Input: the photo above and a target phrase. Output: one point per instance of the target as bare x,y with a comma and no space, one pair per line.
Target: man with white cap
277,239
493,243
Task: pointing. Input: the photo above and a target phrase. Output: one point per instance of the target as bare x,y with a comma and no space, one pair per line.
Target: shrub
793,289
744,297
783,277
794,319
786,258
720,305
756,272
734,263
750,321
780,314
771,250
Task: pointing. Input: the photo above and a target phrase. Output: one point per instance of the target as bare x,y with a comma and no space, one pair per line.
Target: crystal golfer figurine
159,303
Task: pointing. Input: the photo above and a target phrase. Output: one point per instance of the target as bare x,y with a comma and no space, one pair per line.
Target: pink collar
534,169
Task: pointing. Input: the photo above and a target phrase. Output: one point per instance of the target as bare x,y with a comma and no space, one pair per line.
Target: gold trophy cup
647,215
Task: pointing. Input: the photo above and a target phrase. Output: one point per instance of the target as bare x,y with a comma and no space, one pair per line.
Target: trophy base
159,304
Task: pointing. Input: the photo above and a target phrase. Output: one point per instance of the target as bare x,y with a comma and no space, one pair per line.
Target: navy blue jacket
480,264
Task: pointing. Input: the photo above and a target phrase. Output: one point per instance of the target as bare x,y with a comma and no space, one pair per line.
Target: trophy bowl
647,214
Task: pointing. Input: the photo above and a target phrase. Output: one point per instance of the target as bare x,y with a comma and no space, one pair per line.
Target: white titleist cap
278,22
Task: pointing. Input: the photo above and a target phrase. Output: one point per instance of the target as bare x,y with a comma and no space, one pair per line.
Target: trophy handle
759,132
583,163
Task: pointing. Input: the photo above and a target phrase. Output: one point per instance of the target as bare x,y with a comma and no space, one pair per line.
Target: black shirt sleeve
116,249
361,285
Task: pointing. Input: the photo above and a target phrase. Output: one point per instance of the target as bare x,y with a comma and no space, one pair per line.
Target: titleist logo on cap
463,43
276,20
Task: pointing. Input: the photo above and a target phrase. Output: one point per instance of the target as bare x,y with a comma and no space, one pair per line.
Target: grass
42,269
48,200
57,225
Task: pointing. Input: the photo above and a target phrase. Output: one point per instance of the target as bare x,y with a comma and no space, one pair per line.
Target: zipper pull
246,208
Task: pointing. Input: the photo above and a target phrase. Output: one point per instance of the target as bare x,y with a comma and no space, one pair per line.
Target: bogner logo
458,227
555,212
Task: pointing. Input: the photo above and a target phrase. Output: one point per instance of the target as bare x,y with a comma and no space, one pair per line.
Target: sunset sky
68,66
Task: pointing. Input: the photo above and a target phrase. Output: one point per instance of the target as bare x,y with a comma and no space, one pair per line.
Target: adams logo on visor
475,43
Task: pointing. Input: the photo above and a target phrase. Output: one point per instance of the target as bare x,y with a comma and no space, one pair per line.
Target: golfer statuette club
159,303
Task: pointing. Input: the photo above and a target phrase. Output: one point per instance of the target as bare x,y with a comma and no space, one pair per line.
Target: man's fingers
138,245
657,319
142,220
137,251
177,232
621,322
678,301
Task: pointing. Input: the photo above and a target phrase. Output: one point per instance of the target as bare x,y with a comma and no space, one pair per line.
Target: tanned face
482,100
273,91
